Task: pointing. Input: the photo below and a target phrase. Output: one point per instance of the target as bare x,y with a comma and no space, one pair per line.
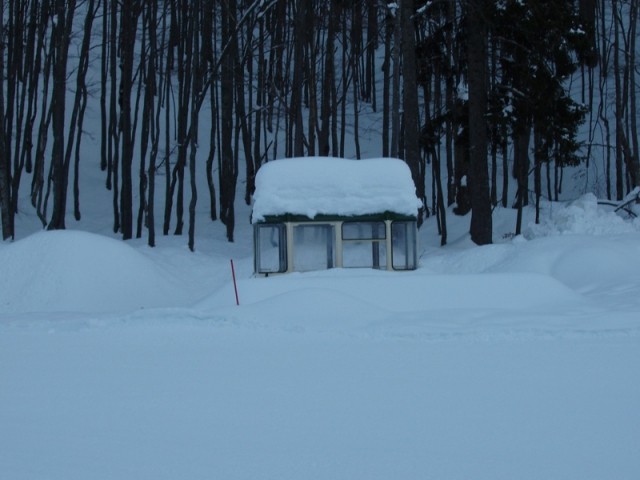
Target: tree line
467,92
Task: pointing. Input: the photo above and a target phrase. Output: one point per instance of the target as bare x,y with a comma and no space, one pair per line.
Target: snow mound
582,216
74,271
578,261
324,294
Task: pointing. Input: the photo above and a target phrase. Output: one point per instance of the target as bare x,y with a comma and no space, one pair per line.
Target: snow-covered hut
315,213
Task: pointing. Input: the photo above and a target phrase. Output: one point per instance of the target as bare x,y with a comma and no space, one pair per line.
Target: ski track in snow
437,325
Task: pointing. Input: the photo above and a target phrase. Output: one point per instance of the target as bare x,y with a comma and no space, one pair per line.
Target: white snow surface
516,360
313,186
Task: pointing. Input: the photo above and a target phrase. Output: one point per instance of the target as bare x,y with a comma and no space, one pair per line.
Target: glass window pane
313,247
271,250
363,231
403,239
364,254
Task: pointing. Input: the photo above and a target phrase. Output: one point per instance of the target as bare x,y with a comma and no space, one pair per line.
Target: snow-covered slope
519,359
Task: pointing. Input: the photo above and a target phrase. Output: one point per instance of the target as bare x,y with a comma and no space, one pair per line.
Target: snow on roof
313,186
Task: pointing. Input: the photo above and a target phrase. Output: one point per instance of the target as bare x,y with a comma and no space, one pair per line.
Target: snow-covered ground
517,360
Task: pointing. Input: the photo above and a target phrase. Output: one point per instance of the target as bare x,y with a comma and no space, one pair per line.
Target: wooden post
235,286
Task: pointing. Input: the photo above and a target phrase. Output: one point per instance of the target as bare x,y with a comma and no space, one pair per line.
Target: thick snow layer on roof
313,186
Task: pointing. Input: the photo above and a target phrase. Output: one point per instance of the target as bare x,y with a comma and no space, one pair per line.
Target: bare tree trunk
228,169
185,53
539,157
504,147
394,148
59,176
386,82
18,73
346,73
212,150
619,109
495,138
214,130
260,106
370,65
147,77
5,165
104,68
13,51
328,81
36,40
37,182
113,149
481,224
82,103
312,47
450,105
255,120
635,154
242,117
355,54
602,107
168,91
198,73
300,41
129,18
152,14
441,208
521,165
410,103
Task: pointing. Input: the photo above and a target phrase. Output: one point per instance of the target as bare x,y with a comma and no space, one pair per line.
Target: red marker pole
235,285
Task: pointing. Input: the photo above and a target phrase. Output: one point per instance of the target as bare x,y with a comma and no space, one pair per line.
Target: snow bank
581,244
352,299
582,216
79,272
334,186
